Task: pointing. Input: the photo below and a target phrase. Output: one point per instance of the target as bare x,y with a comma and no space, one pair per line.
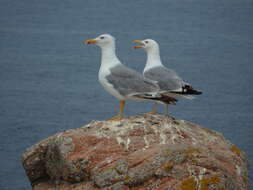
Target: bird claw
116,118
151,112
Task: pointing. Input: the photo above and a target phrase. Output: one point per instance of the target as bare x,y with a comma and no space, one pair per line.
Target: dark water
48,78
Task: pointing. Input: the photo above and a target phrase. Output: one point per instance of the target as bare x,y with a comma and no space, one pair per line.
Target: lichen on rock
140,152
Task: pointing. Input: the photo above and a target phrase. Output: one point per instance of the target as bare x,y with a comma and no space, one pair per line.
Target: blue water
48,77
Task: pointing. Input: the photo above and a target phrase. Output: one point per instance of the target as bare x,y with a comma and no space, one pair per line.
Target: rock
143,152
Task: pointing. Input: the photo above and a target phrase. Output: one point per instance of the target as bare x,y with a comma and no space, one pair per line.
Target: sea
48,76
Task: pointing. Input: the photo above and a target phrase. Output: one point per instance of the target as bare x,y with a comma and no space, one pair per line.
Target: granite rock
143,152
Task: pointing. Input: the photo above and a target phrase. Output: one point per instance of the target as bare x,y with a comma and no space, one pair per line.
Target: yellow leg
121,111
121,107
154,109
166,109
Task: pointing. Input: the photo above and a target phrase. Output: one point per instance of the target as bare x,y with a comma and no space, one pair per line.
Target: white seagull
167,79
120,81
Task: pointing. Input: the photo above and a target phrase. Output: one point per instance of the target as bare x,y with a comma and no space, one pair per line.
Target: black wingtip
187,89
167,99
163,98
195,92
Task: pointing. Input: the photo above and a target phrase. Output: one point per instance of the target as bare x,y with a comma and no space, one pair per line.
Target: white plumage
167,79
120,81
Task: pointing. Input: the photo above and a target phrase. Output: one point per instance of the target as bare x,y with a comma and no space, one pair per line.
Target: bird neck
109,57
153,58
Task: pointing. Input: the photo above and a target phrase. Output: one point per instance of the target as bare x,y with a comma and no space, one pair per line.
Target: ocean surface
48,77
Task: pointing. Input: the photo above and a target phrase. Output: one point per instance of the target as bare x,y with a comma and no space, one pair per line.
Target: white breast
107,86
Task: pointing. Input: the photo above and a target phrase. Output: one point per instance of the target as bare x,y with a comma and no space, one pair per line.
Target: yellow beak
91,41
138,42
136,47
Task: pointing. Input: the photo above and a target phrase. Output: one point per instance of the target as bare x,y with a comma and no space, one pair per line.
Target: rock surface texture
143,152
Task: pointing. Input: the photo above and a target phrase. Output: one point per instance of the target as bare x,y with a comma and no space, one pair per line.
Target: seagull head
103,40
147,45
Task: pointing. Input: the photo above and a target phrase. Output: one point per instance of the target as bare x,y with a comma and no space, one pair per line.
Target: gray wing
129,82
167,79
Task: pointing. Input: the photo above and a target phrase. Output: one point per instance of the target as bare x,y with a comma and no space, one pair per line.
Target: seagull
120,81
167,79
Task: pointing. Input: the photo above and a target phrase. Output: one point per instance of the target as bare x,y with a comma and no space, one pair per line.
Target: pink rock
141,152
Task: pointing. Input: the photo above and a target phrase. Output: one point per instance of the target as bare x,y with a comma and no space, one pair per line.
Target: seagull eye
146,42
102,37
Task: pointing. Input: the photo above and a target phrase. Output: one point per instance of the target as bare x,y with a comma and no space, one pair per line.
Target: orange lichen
192,150
127,178
236,150
189,153
168,166
189,184
204,183
245,179
118,171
